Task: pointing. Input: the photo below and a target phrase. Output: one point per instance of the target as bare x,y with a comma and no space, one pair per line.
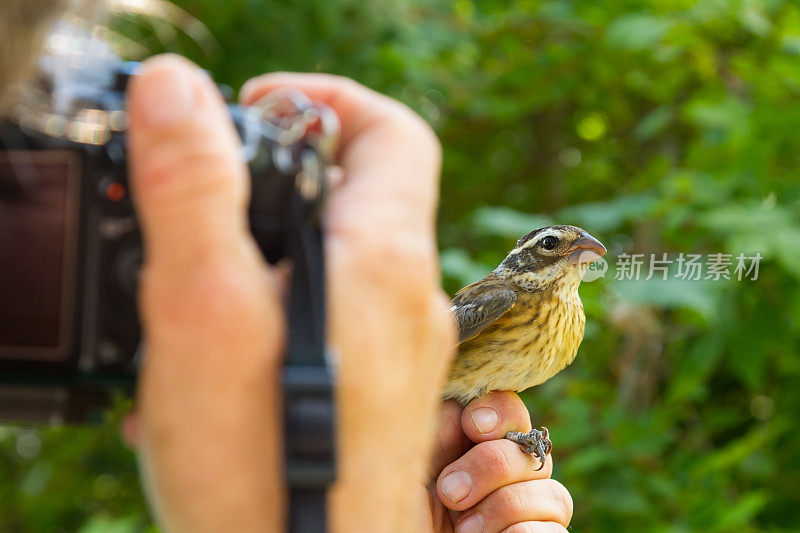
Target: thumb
208,398
189,180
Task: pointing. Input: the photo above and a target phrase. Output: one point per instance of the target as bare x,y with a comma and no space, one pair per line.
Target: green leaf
654,122
699,296
730,116
458,265
637,31
507,222
599,217
102,524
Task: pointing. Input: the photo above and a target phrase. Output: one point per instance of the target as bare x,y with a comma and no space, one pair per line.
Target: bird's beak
586,249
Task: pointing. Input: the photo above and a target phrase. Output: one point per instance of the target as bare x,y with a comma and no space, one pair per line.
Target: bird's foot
536,442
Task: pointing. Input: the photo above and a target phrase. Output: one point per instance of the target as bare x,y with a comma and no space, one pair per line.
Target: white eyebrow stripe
534,241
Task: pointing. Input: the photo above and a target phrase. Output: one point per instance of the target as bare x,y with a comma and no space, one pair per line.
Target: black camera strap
307,378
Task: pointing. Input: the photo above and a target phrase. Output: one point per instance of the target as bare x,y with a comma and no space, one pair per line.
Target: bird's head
553,254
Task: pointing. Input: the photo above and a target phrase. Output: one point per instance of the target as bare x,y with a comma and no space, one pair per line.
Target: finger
484,469
450,441
541,500
207,399
357,106
390,156
492,416
188,179
536,527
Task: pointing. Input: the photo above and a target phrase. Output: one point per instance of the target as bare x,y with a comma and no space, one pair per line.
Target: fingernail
485,419
472,524
456,485
165,94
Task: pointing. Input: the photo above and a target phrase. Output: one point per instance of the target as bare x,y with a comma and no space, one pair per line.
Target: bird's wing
476,313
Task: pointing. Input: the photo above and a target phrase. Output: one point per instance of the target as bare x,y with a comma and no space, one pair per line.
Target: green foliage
69,479
658,126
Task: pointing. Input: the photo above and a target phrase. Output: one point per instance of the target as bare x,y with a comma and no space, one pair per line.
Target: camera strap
307,381
307,135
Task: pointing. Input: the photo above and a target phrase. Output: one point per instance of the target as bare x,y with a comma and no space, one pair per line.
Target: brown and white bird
523,323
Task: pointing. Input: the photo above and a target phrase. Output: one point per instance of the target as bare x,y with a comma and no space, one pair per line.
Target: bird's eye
549,242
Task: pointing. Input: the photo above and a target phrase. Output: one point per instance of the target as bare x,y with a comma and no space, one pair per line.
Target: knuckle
417,131
429,138
344,84
510,502
178,173
494,458
403,116
343,91
563,499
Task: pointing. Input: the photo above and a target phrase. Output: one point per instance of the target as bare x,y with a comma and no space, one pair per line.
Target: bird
522,323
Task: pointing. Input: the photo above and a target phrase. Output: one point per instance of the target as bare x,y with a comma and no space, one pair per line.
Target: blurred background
659,126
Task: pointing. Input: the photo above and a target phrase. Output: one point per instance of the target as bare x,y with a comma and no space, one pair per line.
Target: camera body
70,246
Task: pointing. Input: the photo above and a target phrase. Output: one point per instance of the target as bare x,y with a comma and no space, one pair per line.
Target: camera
70,246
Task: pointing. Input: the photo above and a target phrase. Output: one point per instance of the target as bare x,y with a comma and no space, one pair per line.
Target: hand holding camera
222,356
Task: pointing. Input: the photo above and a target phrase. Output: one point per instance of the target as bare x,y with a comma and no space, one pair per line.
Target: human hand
208,427
389,318
208,446
485,483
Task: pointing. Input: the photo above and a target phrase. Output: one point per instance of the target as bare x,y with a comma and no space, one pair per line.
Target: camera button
111,190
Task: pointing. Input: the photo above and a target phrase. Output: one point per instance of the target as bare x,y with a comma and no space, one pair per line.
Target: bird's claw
536,442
